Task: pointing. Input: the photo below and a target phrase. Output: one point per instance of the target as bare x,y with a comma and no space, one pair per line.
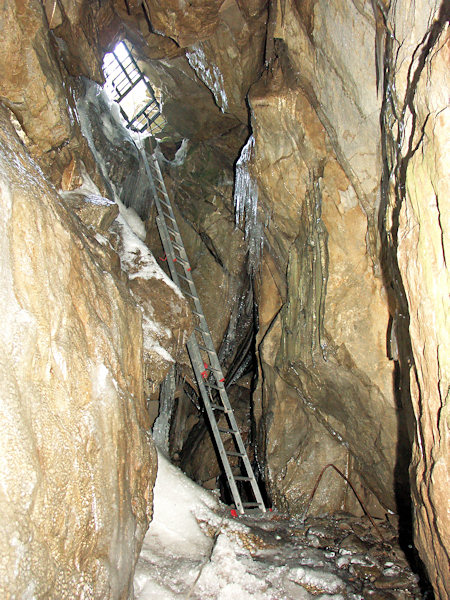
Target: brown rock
31,84
423,241
329,345
94,211
77,465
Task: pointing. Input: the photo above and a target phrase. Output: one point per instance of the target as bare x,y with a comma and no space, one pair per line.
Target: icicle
246,206
161,427
211,77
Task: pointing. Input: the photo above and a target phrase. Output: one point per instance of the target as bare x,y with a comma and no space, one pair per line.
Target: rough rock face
416,222
166,317
32,89
349,308
327,344
77,466
219,55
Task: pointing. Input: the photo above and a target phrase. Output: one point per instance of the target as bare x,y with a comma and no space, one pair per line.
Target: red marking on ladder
163,259
174,260
233,513
204,374
189,269
222,380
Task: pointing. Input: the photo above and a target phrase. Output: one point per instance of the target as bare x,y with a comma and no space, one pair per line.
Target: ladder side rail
194,353
206,333
193,346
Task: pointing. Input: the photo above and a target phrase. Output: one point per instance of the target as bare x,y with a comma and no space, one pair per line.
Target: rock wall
317,169
353,289
85,333
415,222
77,466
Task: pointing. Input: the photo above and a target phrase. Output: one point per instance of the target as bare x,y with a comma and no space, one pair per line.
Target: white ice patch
102,382
180,154
318,579
151,332
133,220
348,197
178,503
226,576
210,75
136,258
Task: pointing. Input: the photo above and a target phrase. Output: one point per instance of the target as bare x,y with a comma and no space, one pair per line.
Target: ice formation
209,74
194,549
246,205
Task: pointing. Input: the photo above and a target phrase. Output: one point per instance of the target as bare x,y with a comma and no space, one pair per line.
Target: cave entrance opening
126,84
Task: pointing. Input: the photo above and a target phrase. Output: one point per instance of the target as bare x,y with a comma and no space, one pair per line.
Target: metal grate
131,89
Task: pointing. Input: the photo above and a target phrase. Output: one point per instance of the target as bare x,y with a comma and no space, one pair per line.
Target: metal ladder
209,376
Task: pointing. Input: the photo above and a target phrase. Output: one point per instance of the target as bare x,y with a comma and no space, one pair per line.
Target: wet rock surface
337,557
77,466
344,309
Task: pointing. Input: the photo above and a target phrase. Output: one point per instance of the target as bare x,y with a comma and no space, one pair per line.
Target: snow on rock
135,256
195,550
166,318
179,504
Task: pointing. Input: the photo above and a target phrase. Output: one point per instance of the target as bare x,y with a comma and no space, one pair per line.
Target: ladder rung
172,240
195,298
185,279
205,348
200,330
181,260
211,385
225,430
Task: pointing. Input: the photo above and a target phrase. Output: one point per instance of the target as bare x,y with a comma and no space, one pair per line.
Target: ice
151,332
246,205
135,257
209,74
92,95
195,550
161,426
317,579
178,503
180,155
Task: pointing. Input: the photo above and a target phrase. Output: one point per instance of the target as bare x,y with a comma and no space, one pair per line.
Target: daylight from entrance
140,103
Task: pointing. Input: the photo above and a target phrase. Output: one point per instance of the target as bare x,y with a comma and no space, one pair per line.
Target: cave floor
196,550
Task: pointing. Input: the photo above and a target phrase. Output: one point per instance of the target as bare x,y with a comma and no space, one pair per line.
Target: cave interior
301,142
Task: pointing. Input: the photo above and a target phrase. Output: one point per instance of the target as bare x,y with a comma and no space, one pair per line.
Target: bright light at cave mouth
139,101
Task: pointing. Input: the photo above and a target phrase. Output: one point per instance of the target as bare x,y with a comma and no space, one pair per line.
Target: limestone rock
95,211
330,349
29,86
166,318
423,245
77,465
